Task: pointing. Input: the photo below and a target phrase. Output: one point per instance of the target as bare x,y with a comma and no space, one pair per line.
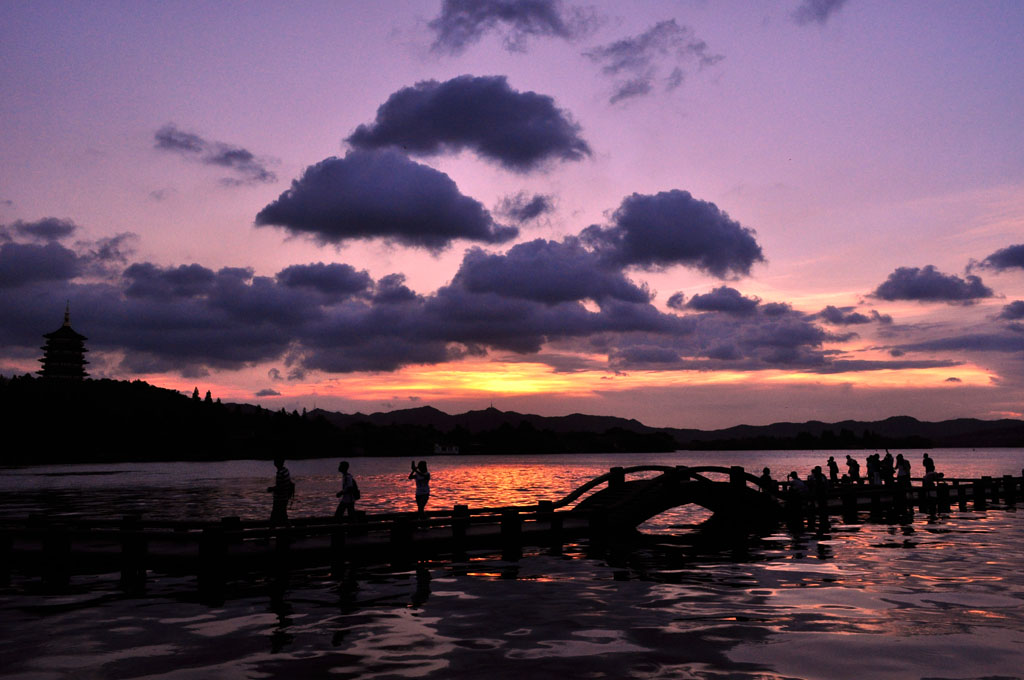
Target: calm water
935,598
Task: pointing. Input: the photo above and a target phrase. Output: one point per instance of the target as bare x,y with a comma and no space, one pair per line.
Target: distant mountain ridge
486,419
959,432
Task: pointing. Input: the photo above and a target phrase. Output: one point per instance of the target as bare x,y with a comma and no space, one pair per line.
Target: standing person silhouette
833,470
349,493
422,477
283,490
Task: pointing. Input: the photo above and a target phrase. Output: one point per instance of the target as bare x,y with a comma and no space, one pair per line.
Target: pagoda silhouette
64,352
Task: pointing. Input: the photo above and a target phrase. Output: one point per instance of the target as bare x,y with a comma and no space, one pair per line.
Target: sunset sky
696,214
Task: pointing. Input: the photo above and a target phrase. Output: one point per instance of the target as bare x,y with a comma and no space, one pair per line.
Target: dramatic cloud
341,280
147,280
816,11
522,208
381,194
247,168
538,298
463,22
106,257
674,228
519,130
44,230
26,263
930,285
846,316
1006,258
1013,311
724,299
548,272
754,341
636,63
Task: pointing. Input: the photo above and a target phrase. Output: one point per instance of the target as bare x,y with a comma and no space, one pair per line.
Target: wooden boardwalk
608,506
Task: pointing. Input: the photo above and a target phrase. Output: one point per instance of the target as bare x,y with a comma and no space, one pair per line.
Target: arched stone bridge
628,504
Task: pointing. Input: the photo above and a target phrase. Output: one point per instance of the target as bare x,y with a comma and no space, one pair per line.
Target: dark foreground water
939,597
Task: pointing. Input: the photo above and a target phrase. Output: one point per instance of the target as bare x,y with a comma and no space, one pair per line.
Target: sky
692,213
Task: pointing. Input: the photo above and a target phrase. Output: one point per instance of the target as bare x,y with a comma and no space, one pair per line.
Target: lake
935,597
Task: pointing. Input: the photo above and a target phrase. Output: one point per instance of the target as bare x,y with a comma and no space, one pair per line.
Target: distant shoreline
106,421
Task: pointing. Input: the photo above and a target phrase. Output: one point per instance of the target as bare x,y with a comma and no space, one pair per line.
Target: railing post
876,501
546,514
981,493
849,497
511,535
401,541
617,479
737,477
961,495
212,554
1009,490
942,496
993,487
338,540
357,527
460,525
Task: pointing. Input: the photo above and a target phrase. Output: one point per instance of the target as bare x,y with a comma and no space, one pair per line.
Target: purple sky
695,214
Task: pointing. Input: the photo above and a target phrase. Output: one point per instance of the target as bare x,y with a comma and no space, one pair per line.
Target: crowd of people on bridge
283,491
881,470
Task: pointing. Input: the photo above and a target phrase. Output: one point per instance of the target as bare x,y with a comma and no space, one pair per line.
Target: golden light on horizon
486,379
531,378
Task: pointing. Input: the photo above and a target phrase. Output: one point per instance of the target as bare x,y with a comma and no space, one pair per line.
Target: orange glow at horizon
483,378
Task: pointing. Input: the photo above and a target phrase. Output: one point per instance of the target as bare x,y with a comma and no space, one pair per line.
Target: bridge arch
628,504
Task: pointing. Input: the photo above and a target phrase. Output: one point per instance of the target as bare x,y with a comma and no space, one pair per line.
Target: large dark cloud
381,194
546,271
330,279
463,22
26,263
847,316
519,130
1013,311
147,280
930,285
723,341
1006,258
723,299
522,208
674,228
816,11
247,168
559,298
638,62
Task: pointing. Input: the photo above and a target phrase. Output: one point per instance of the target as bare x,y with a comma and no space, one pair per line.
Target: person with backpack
349,493
283,490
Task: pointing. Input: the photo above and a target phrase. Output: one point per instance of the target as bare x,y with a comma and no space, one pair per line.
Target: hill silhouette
108,420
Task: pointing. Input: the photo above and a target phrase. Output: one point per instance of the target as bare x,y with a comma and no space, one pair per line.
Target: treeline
101,421
114,421
523,438
827,439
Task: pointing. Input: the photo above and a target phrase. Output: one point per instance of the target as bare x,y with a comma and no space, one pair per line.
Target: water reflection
929,596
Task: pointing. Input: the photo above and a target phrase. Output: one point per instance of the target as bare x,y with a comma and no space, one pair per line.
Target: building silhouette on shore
64,352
